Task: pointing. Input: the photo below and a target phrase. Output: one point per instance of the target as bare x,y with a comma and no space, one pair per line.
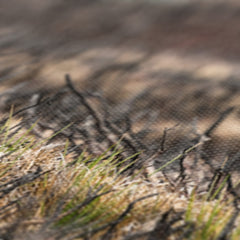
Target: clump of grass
46,193
43,189
209,217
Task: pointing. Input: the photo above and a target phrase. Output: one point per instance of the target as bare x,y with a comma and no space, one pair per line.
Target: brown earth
172,63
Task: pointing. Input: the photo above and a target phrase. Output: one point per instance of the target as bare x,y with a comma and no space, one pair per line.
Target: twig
220,119
113,225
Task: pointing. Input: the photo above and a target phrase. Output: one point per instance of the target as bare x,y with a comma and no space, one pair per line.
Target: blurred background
160,62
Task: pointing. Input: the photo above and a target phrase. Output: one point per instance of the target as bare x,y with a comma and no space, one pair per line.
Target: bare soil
166,64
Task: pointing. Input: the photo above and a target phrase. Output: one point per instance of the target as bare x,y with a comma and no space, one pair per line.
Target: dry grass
47,193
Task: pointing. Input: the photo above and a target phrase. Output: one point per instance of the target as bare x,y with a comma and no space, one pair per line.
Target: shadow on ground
163,77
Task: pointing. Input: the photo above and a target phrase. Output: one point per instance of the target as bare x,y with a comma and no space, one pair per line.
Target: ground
136,70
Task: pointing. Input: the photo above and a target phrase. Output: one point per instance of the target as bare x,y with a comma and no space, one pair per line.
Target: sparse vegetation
142,142
48,193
